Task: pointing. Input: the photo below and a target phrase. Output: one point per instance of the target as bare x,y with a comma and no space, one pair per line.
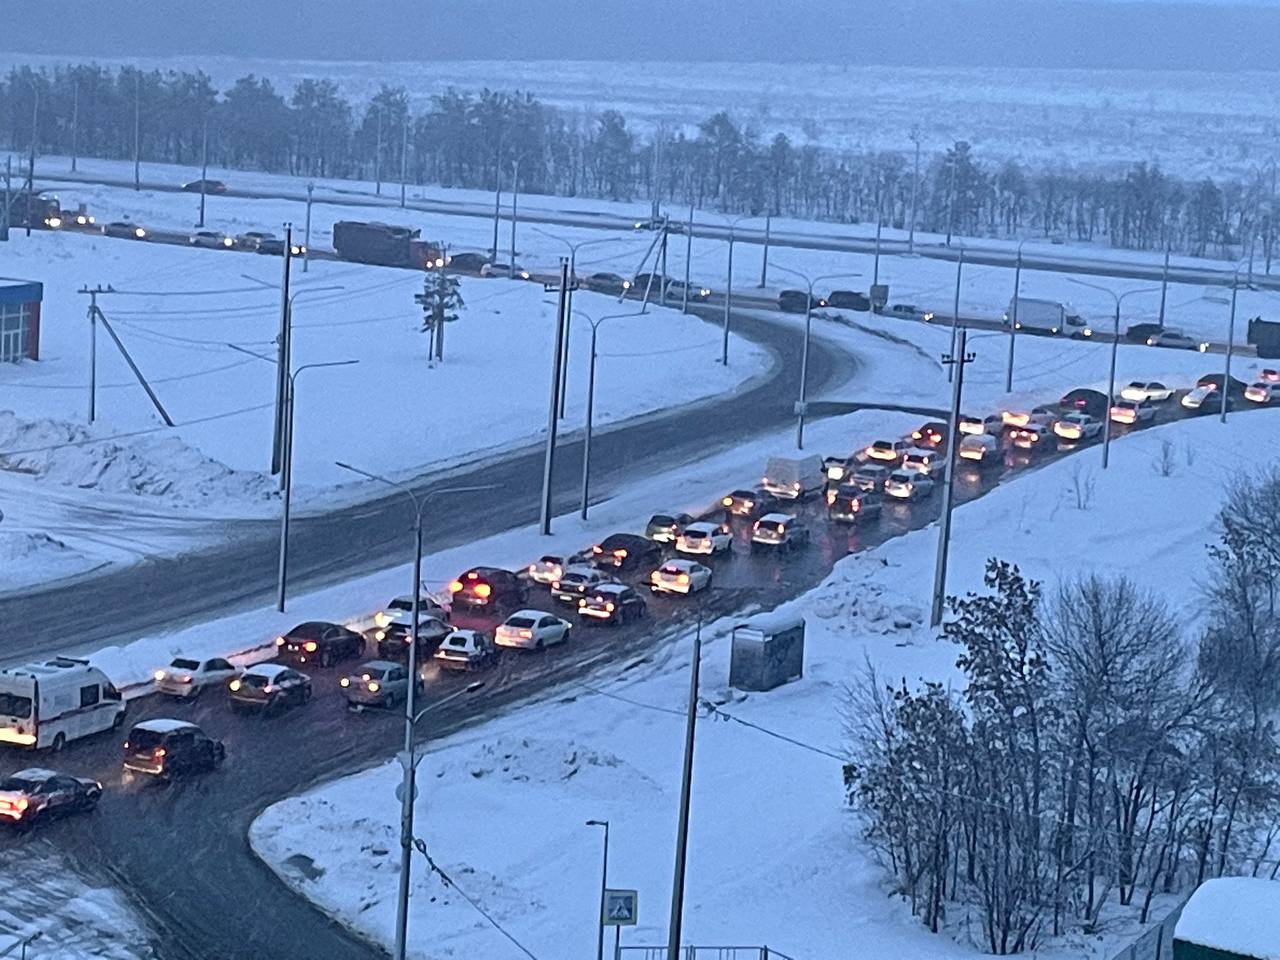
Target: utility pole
728,301
604,885
377,157
666,231
31,163
4,213
75,121
915,185
764,260
875,272
306,243
955,312
93,347
951,196
548,465
515,199
404,157
282,361
1164,285
688,259
686,787
137,129
655,189
1231,335
957,360
204,168
1013,319
497,211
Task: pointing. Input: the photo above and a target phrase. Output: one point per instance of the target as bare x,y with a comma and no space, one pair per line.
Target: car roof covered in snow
34,773
268,670
1235,914
777,518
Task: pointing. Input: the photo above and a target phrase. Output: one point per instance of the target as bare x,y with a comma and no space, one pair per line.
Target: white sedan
1150,390
1263,392
905,485
1132,411
531,629
680,576
1077,426
704,538
185,678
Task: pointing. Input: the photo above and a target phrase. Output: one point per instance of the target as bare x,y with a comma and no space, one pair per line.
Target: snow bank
1239,915
157,467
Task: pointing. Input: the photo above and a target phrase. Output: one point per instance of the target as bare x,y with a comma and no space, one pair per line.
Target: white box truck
52,703
793,479
1047,316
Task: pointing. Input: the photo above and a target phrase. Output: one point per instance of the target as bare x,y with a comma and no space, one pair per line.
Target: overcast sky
1217,35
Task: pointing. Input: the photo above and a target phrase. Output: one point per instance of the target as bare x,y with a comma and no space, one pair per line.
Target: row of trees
1096,754
480,139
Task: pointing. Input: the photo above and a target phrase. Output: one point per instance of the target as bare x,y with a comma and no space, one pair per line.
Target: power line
421,847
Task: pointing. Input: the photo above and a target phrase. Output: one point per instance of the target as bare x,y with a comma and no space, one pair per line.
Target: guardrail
1156,943
702,953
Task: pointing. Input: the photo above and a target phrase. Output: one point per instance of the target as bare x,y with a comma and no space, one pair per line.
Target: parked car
1177,340
855,506
931,435
211,239
167,748
848,300
124,229
613,604
499,269
870,476
1132,411
465,650
905,485
703,538
888,452
610,283
488,587
531,629
187,678
576,581
798,301
318,641
205,186
625,551
1152,390
36,794
269,687
680,576
378,683
393,640
1078,428
781,531
1263,392
1034,437
665,527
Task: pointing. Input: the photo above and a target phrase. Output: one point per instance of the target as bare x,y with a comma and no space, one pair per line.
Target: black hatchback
167,748
625,551
317,641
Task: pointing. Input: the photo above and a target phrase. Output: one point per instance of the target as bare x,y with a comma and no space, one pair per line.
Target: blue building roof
20,291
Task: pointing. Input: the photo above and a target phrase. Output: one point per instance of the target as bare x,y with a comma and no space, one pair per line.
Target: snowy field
1194,123
773,859
76,496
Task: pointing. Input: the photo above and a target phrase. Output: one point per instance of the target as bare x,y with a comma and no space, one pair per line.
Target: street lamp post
1013,317
1115,343
591,400
408,787
915,183
686,791
728,287
1231,336
31,163
802,403
604,885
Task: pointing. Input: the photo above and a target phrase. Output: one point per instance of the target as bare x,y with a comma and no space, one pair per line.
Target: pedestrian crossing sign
621,907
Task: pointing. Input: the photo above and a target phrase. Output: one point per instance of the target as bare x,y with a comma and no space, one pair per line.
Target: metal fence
702,953
1156,943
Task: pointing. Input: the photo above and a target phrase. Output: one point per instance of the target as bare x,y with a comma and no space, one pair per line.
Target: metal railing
702,953
1156,943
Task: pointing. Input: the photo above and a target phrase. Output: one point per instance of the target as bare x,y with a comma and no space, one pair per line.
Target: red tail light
158,752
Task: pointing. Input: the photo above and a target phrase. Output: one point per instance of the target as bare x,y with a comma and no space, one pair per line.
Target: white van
49,704
793,479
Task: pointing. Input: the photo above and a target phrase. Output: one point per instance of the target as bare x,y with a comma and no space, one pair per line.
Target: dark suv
489,587
798,301
848,300
625,551
167,748
319,642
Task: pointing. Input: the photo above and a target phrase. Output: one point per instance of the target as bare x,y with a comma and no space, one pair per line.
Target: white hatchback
186,678
680,576
702,538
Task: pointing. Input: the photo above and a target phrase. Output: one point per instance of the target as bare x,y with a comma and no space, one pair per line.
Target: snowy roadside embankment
774,855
